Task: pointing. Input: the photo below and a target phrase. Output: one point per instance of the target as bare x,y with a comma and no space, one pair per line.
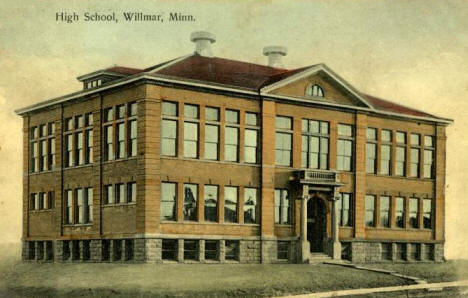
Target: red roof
385,105
246,76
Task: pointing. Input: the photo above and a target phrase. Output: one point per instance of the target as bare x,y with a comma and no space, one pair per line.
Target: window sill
42,172
78,166
119,204
40,211
284,225
208,223
78,225
210,161
119,160
400,177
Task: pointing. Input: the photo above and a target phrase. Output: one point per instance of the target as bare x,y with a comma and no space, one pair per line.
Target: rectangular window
190,249
34,157
230,204
79,205
250,205
68,206
400,251
282,250
385,159
190,140
344,210
89,146
169,249
344,157
370,211
400,212
211,203
43,155
282,207
79,160
89,205
251,119
190,111
34,201
168,200
119,193
232,250
51,153
41,201
169,138
109,142
120,140
400,162
427,213
212,114
69,150
211,142
315,139
231,146
211,250
50,200
385,211
283,141
415,251
232,116
413,213
131,192
169,109
428,252
132,146
415,154
89,119
386,252
190,201
371,158
371,151
110,198
251,146
429,151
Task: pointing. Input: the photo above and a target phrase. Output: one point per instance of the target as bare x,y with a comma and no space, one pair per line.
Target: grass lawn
439,272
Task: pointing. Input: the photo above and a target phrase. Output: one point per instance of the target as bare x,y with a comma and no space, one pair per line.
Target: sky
411,52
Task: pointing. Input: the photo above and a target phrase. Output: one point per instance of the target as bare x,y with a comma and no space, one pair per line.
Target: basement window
211,250
232,250
386,252
190,249
169,249
282,250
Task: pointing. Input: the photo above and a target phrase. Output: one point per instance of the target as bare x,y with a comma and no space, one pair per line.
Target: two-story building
214,160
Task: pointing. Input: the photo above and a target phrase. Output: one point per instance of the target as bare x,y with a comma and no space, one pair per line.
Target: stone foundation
150,250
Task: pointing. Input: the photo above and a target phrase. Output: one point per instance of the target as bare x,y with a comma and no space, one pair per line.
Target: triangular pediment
334,89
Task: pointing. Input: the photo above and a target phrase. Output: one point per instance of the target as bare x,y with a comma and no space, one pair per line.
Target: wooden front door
316,224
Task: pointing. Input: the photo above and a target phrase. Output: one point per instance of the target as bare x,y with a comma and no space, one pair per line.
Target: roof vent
274,54
203,41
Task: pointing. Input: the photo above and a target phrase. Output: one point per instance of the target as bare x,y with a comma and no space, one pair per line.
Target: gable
333,91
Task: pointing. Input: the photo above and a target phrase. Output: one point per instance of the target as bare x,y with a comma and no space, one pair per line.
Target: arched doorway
316,224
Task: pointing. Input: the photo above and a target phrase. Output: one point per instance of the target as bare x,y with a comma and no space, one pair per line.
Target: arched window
314,91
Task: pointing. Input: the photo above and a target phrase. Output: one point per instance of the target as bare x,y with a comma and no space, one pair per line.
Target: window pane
169,137
120,111
413,213
211,141
427,209
232,116
250,143
211,203
345,130
415,139
370,210
283,149
414,162
108,114
251,119
109,194
211,114
191,111
190,139
386,135
385,211
230,204
169,108
231,144
283,122
131,192
250,205
372,134
429,141
132,109
168,201
401,137
400,212
190,201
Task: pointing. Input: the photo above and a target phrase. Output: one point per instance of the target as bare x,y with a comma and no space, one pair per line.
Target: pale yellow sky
412,52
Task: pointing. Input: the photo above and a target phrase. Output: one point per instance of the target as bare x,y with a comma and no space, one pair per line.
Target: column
336,254
304,248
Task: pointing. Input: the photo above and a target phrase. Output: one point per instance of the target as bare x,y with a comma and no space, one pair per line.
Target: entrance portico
319,202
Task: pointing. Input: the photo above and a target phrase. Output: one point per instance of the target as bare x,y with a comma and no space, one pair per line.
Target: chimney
275,54
203,41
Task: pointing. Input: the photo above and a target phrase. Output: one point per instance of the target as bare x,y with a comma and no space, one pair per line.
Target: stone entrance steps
319,257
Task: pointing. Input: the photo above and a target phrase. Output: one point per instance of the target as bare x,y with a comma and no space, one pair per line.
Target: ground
20,279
